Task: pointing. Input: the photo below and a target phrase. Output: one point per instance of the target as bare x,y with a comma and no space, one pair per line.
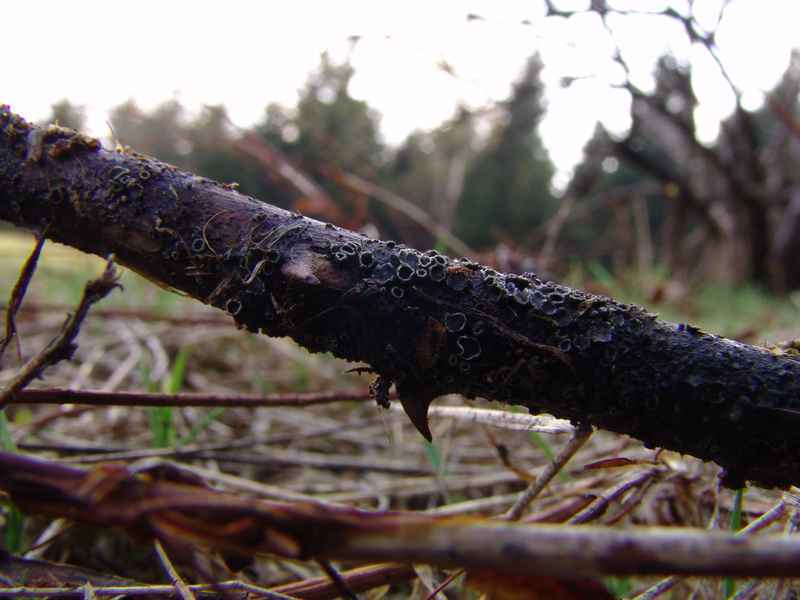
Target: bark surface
428,323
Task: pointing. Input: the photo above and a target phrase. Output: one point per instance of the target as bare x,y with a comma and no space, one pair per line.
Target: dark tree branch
176,507
431,324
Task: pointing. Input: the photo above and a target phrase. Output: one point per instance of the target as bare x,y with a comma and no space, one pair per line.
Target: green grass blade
162,421
435,456
176,377
6,441
162,427
619,587
15,526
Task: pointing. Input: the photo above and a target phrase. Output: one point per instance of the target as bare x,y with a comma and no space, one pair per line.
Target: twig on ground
599,506
418,486
91,453
769,517
504,454
151,503
63,345
631,502
501,418
51,533
339,583
748,590
180,585
138,590
230,481
17,295
96,397
318,460
358,580
447,581
562,511
579,438
40,423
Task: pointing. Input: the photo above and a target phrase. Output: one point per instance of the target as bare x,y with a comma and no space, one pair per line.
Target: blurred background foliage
655,200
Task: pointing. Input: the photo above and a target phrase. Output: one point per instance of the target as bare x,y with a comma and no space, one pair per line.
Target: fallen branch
180,510
428,323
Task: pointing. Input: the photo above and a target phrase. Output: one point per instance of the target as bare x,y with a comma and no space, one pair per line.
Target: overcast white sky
245,54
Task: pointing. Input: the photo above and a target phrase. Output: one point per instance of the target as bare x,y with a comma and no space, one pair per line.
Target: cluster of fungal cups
542,311
454,315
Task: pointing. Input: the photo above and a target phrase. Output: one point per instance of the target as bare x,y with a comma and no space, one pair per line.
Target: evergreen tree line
485,189
655,195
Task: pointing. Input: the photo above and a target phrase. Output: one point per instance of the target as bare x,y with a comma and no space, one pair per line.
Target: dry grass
349,452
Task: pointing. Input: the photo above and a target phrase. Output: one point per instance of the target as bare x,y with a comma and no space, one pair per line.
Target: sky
415,61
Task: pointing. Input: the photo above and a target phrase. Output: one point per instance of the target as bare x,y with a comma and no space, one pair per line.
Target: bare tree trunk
430,324
786,267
